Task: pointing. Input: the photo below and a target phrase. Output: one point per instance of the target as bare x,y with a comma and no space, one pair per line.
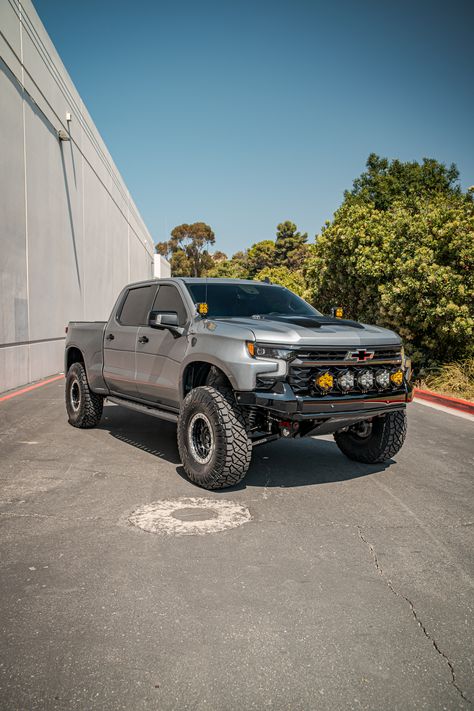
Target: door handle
143,339
110,337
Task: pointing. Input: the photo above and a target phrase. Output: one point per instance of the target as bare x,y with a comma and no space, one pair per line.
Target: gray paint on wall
70,234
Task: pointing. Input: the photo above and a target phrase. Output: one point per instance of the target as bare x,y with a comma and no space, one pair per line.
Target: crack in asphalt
420,624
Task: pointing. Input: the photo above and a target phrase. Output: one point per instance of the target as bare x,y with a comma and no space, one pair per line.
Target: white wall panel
14,366
13,275
71,237
54,217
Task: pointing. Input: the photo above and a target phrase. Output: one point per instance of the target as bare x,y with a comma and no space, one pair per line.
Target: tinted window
168,299
137,306
245,300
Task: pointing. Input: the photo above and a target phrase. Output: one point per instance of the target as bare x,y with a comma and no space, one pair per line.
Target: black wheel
376,440
212,439
84,408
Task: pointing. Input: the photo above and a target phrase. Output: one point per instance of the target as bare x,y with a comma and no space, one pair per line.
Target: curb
455,403
21,391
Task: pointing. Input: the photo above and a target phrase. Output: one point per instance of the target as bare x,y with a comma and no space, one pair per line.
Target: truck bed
88,338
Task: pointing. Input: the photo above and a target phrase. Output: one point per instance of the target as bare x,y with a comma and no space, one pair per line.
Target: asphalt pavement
349,586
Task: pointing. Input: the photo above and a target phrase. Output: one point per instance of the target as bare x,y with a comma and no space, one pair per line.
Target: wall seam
25,186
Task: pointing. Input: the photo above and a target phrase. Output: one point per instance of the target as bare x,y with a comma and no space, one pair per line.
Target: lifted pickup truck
238,363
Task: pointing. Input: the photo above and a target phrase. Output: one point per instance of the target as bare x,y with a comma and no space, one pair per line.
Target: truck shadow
285,463
300,462
156,437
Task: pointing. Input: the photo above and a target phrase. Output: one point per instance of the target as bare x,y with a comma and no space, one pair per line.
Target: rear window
137,306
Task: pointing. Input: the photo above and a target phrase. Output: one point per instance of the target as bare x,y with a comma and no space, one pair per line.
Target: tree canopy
385,181
410,268
290,246
188,249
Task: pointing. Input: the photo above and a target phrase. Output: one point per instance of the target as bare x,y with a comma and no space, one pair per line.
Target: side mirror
165,319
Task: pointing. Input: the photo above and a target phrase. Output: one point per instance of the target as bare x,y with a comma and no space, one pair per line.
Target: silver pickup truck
238,363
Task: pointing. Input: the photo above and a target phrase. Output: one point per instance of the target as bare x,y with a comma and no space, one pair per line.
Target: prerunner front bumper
283,402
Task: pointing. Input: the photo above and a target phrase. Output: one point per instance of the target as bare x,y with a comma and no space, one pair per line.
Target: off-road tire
385,440
84,408
231,449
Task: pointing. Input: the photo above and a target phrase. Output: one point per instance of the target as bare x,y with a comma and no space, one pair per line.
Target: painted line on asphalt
30,387
443,408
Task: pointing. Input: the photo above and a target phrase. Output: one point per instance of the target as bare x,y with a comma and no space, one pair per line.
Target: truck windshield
247,300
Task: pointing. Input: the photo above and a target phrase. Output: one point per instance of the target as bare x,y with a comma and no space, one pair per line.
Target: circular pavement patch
189,516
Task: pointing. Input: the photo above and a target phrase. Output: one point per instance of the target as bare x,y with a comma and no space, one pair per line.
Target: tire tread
91,403
233,458
380,447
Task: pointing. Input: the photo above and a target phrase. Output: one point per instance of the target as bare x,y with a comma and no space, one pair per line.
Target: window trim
122,304
183,301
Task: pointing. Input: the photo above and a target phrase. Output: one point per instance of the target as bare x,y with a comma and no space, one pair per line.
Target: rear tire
212,439
379,442
84,408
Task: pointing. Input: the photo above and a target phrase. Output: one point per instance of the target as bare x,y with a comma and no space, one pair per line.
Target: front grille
310,362
339,355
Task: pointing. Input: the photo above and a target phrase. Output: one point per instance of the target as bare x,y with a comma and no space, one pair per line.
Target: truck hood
320,331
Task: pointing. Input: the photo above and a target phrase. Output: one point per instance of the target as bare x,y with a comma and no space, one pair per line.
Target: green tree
180,263
409,267
290,245
385,181
290,278
194,240
188,249
219,256
163,248
259,256
230,269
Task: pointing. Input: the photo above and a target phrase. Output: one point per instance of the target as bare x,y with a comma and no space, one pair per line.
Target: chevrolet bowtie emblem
360,355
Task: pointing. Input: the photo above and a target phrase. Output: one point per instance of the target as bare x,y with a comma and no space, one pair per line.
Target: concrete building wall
70,234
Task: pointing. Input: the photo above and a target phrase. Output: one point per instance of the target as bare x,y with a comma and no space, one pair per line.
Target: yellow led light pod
202,308
324,381
397,377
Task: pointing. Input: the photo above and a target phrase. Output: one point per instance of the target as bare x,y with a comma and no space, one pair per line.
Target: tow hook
287,428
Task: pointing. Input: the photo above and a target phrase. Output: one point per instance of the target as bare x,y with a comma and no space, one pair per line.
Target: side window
137,306
169,299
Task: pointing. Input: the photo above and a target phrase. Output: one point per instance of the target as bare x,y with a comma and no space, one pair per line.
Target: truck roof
201,280
218,280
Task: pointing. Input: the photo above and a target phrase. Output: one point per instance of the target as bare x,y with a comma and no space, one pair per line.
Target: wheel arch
73,355
196,372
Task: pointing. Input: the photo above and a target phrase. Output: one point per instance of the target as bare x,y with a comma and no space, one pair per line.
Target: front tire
212,439
84,408
375,441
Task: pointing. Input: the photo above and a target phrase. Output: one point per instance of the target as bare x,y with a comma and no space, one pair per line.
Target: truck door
159,353
121,336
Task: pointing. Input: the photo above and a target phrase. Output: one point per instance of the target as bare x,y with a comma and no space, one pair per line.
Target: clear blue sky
246,113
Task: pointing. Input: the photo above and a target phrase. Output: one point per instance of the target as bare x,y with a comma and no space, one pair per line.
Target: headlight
382,378
397,377
324,381
346,380
365,380
259,350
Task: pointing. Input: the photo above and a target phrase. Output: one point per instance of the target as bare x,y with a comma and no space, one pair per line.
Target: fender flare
204,358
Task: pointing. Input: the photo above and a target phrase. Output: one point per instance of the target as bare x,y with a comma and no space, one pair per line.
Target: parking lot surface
346,586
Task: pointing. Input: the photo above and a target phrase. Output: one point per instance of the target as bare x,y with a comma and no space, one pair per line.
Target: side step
138,407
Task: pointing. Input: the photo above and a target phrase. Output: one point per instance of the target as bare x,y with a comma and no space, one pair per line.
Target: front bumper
283,402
